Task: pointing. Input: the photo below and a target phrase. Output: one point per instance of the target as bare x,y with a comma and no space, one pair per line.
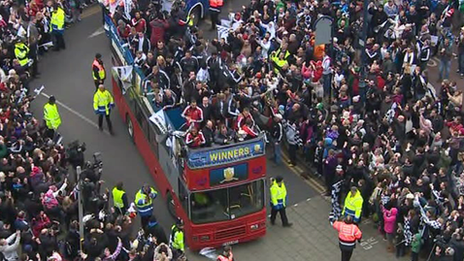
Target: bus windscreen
227,203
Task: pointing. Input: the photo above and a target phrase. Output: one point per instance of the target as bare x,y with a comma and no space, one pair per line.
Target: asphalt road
67,76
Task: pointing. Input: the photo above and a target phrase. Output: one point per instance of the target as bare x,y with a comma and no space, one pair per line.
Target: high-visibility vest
21,53
353,205
101,70
177,238
57,20
216,3
51,116
347,233
117,197
278,195
144,203
102,101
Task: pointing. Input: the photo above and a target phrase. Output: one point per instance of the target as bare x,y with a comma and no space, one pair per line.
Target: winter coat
158,28
389,217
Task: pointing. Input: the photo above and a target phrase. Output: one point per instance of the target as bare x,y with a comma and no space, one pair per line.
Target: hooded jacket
389,217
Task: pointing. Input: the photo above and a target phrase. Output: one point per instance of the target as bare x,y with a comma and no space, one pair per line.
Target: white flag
159,120
125,75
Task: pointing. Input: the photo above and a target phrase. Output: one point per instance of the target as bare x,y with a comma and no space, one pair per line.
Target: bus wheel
171,205
130,127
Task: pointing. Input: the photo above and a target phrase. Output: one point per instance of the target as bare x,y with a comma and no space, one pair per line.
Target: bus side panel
117,94
141,142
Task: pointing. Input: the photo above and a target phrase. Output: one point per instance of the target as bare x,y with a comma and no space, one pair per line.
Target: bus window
183,196
209,206
227,203
139,115
246,199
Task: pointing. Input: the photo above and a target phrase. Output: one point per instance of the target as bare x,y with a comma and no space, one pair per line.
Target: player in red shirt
195,138
193,114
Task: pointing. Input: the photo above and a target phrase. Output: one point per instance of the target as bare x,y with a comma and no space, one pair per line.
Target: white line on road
76,113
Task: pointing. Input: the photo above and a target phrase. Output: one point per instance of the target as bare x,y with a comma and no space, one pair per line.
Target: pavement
310,238
67,76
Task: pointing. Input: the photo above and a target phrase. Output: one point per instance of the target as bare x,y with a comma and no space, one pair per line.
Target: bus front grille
230,232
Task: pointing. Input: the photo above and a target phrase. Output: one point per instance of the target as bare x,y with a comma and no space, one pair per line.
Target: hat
339,168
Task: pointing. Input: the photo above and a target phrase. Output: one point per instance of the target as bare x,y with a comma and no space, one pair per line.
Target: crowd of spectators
38,193
367,115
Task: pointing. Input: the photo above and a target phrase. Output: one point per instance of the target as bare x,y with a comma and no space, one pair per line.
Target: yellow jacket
353,205
278,195
102,102
51,116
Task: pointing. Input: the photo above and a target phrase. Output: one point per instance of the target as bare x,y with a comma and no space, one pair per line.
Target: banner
220,156
127,8
112,6
160,121
125,75
223,31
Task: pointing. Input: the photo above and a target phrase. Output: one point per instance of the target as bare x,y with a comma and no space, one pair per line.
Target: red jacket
140,25
241,120
347,233
195,115
158,28
195,141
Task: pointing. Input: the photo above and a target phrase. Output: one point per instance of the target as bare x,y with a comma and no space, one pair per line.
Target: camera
75,153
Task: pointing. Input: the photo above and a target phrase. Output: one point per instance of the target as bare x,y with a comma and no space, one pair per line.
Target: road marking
76,113
432,63
310,181
97,32
91,11
367,244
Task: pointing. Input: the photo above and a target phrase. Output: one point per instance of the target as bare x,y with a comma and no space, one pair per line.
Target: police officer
144,203
51,117
102,104
348,233
120,199
278,201
177,239
98,71
226,254
353,204
21,51
57,25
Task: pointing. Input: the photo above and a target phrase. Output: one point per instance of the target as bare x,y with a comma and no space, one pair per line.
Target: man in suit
224,135
208,133
220,108
207,108
140,43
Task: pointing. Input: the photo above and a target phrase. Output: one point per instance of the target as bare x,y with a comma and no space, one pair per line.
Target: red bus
218,191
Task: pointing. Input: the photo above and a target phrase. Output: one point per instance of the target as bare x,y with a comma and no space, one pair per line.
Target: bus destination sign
215,157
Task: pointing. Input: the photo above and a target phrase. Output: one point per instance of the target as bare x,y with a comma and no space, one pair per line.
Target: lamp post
80,207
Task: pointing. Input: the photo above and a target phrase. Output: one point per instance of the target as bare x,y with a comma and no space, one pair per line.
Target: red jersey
195,141
193,115
241,120
140,25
